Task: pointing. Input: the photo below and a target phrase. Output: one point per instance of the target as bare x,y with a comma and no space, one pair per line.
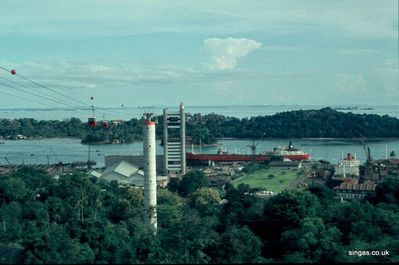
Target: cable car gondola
92,122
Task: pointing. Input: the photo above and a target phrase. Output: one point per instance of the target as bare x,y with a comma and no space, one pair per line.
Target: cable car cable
45,87
43,97
29,87
27,99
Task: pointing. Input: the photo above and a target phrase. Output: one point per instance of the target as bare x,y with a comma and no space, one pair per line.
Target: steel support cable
36,95
113,113
27,99
30,87
46,87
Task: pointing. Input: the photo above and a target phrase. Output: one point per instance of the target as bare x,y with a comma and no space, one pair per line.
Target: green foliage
204,197
206,201
292,207
312,241
388,191
240,245
77,219
325,122
271,179
190,182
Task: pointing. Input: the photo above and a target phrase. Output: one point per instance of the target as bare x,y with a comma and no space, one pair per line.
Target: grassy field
274,179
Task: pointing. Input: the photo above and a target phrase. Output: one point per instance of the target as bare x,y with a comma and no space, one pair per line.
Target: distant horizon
213,106
238,111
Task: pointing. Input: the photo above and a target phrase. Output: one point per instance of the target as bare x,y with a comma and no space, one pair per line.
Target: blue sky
140,53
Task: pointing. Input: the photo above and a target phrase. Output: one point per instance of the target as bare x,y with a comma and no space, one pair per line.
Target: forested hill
323,123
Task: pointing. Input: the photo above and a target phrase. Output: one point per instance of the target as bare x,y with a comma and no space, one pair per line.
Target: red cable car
92,122
13,71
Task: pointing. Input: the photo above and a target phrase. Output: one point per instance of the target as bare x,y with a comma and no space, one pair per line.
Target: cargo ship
224,156
290,153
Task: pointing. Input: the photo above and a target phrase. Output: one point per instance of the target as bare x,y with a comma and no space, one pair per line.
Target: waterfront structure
174,141
150,181
349,191
349,166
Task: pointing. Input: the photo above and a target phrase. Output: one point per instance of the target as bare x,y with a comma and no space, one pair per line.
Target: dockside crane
253,147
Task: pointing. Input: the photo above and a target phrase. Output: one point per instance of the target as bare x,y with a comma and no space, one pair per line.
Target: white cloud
225,52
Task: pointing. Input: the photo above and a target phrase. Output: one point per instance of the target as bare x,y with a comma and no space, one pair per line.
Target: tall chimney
150,177
183,138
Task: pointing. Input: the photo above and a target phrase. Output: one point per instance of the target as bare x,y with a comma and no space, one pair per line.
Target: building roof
95,173
123,168
370,186
391,161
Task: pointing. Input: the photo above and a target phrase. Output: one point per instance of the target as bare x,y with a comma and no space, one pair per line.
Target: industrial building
137,160
125,173
128,174
349,191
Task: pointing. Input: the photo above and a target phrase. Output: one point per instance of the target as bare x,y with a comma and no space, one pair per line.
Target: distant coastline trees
206,129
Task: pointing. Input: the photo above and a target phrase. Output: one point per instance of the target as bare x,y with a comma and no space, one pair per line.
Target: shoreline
309,139
222,139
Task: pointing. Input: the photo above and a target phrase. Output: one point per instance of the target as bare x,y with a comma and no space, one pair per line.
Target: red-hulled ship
223,156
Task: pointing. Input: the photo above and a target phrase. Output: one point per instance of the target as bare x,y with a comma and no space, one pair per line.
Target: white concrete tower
183,138
150,177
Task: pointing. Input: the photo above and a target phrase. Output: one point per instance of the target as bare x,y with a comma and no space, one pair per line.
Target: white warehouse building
125,173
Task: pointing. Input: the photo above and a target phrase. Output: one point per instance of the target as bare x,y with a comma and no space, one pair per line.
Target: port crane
253,147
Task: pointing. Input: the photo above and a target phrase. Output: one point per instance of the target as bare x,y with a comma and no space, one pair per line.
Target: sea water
71,150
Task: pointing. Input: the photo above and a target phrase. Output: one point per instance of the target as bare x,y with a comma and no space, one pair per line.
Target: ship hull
297,157
204,158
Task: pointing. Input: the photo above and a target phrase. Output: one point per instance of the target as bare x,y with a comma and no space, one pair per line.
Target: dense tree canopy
325,122
78,219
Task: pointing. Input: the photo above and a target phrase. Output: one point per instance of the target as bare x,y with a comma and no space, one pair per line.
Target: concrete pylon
150,177
183,138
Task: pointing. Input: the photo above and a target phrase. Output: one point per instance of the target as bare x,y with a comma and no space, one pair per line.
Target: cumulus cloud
225,52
